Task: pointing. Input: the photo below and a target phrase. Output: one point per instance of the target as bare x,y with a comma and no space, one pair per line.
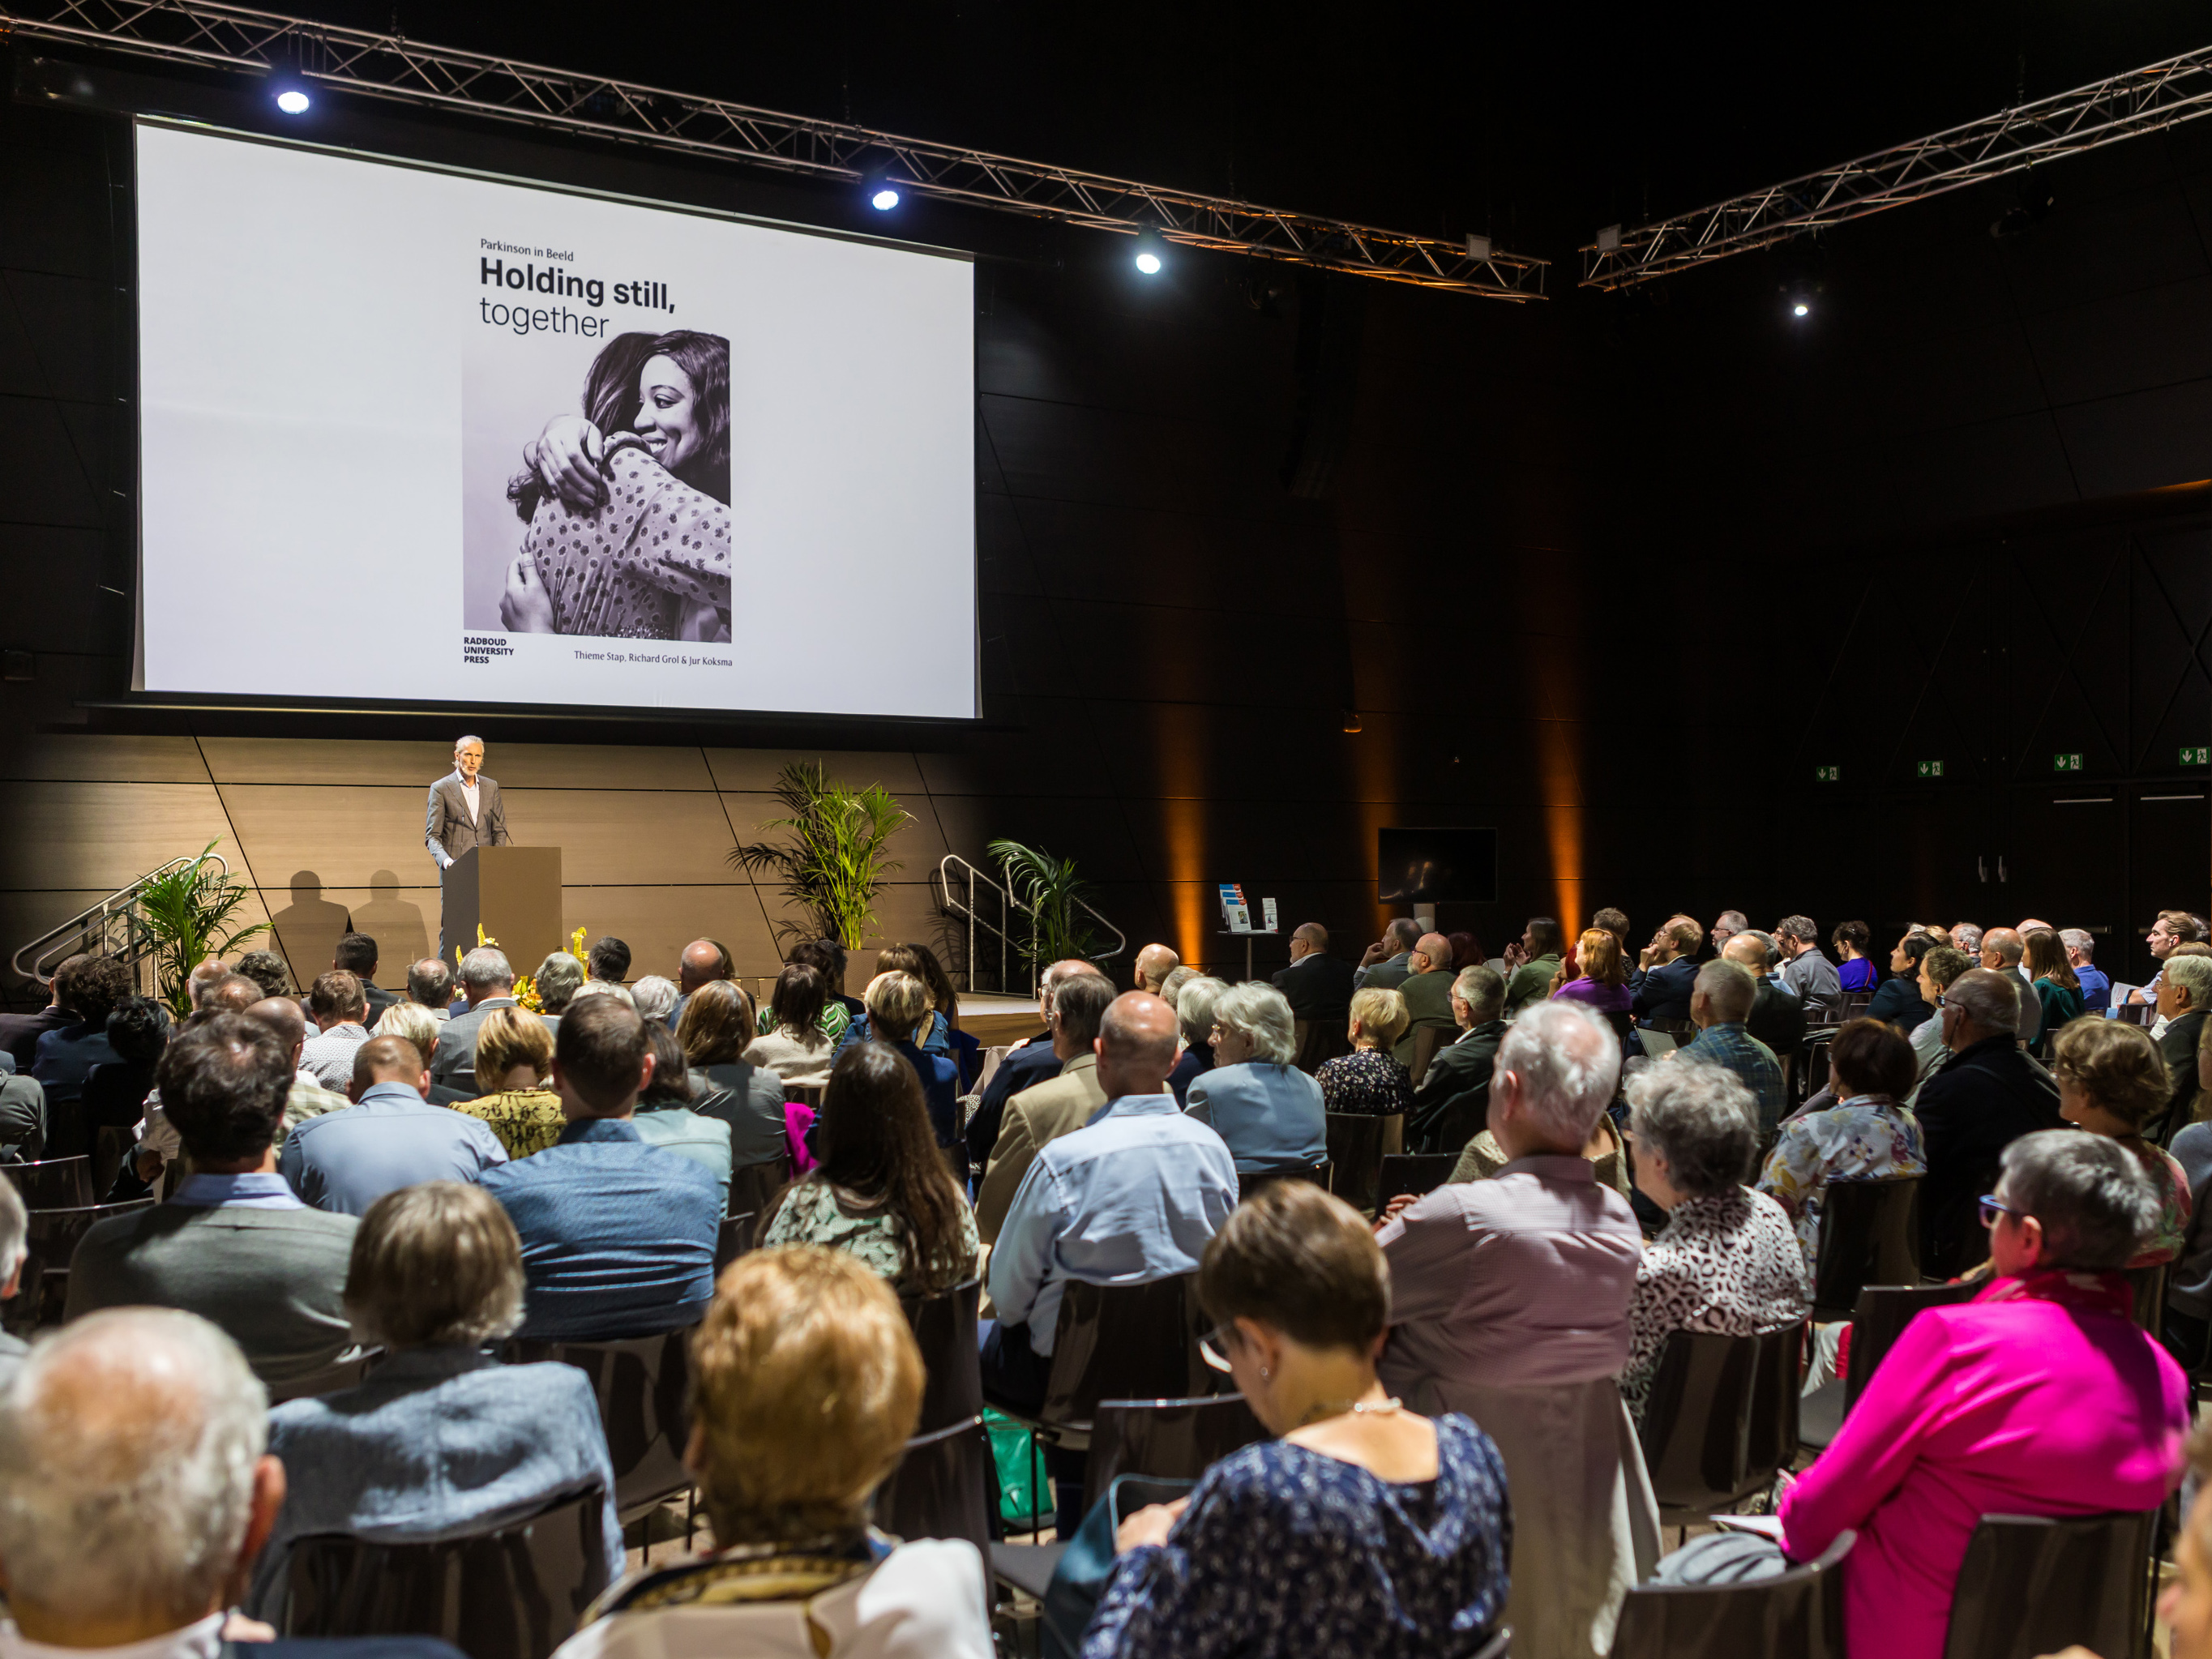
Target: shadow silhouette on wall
402,935
308,929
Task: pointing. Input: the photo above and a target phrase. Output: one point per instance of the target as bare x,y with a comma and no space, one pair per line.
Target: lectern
513,893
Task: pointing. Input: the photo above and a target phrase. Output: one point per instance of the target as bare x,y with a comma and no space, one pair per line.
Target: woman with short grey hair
1268,1111
1728,1260
1194,1005
655,996
440,1435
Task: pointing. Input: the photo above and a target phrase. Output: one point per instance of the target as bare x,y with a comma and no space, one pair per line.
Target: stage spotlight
292,98
1800,309
884,199
877,188
1151,252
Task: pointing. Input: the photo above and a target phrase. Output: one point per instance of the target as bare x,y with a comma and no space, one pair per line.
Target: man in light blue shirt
1133,1196
391,1137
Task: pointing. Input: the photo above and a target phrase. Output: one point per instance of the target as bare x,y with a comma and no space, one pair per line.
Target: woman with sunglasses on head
1365,1528
2039,1397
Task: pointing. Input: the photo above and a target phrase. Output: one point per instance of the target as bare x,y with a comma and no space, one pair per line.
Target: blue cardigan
1271,1115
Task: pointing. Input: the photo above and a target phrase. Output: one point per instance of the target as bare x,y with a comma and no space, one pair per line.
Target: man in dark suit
1389,959
20,1033
66,1054
1453,1102
1667,972
1776,1018
1989,1095
1318,985
356,955
464,811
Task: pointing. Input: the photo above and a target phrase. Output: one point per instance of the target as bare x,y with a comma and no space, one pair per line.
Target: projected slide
410,434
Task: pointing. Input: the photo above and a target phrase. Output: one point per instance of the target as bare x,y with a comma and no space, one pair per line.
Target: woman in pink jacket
2039,1397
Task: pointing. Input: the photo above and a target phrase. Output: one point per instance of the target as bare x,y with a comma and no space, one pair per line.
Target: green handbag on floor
1026,1502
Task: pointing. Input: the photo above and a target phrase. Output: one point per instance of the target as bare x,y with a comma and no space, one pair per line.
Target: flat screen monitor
412,434
1443,866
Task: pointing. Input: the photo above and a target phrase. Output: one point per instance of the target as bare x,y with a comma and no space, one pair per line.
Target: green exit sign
1931,768
2200,755
1826,774
2071,762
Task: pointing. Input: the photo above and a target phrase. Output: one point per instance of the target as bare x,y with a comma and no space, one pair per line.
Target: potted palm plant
1055,898
188,913
834,865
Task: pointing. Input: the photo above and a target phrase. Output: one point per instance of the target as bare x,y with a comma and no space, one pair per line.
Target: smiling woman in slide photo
628,504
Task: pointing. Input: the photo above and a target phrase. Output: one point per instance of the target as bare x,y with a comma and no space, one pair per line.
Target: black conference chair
952,1375
2038,1583
1799,1612
1358,1143
1250,1182
1869,1235
515,1591
1427,1040
946,1486
733,1239
50,1242
54,1183
640,1384
1882,1313
2148,1286
1417,1173
1720,1418
753,1187
1171,1439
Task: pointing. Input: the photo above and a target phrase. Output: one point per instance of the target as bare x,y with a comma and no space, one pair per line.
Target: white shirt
469,794
197,1641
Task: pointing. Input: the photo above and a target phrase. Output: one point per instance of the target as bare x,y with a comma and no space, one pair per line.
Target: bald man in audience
1427,990
1776,1018
391,1137
1480,1274
1154,964
1317,985
2002,951
703,962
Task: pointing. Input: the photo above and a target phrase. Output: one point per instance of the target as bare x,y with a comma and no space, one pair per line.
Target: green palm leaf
834,865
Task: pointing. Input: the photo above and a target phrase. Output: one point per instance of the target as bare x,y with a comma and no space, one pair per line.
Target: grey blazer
446,830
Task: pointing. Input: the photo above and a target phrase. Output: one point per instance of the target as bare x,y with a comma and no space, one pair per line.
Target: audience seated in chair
304,1098
515,1066
1130,1198
665,1117
1452,1102
1369,1079
805,1386
1777,1017
340,1007
2053,982
233,1243
2038,1397
1721,999
1193,1012
1426,989
794,1047
654,997
1939,969
882,1190
556,980
1317,985
1897,999
1031,1060
1665,970
1267,1111
430,985
1532,963
2111,1082
715,1028
1988,1096
1153,965
1868,1135
1389,959
919,960
608,959
66,1055
20,1033
22,1119
1480,1273
135,1492
1364,1528
617,1236
1727,1261
2184,1002
15,1228
439,1437
2002,951
423,1028
138,1030
1057,1106
1600,978
1806,974
489,983
391,1137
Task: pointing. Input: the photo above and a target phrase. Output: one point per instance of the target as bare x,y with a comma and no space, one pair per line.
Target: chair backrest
944,1486
2038,1584
2147,1286
512,1592
1172,1439
1124,1342
342,1373
753,1187
1721,1416
953,1374
1882,1313
1426,1041
50,1241
54,1183
732,1239
641,1385
1250,1181
1318,1041
1356,1144
1417,1173
1869,1235
2135,1013
1799,1612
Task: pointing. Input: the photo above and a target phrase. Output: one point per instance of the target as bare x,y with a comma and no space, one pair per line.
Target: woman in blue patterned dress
1365,1529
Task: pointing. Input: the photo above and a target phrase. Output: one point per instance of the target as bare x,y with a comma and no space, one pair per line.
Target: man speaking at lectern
465,812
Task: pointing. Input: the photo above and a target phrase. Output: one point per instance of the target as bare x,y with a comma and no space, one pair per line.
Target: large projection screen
754,486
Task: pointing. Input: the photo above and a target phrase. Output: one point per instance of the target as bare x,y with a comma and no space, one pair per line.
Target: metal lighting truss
2142,100
504,89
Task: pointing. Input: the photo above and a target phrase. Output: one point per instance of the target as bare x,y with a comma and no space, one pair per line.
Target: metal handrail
111,927
1009,907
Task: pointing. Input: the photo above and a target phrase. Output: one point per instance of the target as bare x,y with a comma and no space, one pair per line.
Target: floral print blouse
1727,1263
2171,1182
815,1212
1866,1138
1366,1080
